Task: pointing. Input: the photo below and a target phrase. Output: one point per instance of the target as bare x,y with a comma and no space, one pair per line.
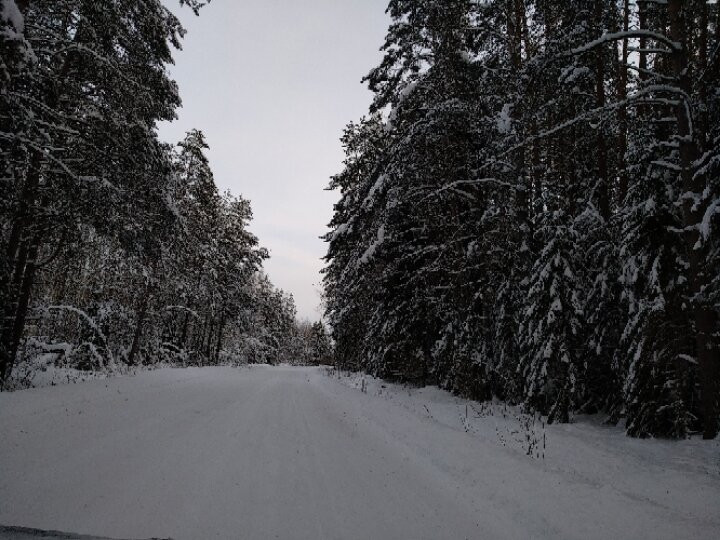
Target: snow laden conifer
433,204
545,165
120,248
85,110
349,278
656,342
550,364
671,320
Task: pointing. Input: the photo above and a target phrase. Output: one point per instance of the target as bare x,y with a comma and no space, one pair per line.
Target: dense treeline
116,248
531,209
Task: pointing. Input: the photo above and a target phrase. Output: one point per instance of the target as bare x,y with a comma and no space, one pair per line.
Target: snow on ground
45,367
295,453
24,533
43,371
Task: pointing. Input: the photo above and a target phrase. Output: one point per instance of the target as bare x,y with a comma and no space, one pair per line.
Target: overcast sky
272,83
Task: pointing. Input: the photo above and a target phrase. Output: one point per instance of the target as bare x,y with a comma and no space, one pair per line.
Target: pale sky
272,83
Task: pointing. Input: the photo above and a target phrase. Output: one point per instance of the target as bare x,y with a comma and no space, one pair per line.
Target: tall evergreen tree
539,221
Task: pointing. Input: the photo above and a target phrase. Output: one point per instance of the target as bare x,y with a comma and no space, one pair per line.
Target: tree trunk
209,340
603,196
694,183
15,263
13,324
23,216
218,344
142,313
702,66
622,113
515,22
642,59
14,336
183,332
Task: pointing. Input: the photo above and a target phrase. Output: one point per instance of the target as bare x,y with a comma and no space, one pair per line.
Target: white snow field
292,453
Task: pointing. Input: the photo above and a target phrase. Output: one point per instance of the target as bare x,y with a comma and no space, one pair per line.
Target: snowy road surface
291,453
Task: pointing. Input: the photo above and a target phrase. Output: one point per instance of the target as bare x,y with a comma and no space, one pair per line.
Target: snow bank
586,440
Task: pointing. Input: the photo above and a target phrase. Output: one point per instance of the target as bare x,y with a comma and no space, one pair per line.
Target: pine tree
539,222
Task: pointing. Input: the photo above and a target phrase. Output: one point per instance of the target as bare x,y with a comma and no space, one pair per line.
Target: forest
530,209
518,249
118,249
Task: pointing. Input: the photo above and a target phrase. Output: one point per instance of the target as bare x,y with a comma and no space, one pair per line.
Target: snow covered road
291,453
